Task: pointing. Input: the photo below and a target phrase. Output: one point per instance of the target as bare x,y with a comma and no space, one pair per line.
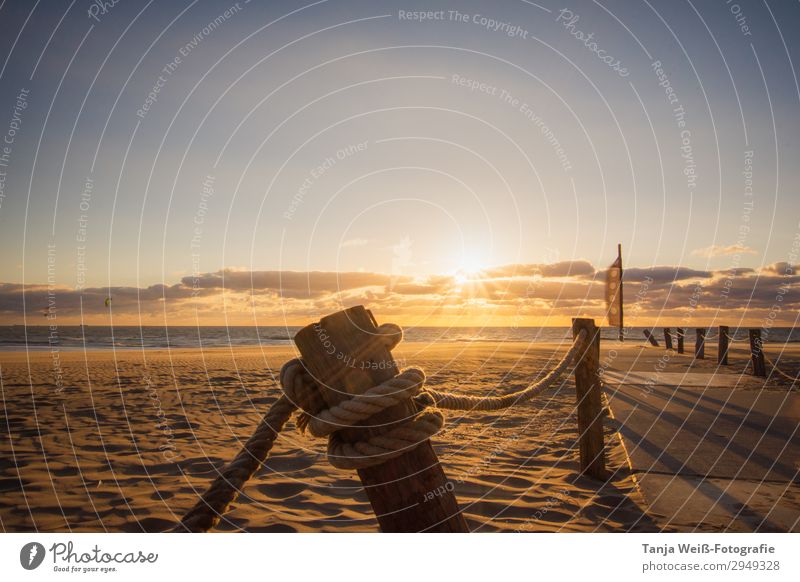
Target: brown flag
614,293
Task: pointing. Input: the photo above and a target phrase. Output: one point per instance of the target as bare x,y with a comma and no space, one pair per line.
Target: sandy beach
126,440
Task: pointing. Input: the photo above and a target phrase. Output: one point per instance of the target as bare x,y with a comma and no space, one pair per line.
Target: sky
461,163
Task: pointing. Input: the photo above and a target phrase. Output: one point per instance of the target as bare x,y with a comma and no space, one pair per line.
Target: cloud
780,268
663,274
714,251
287,283
498,296
575,268
418,289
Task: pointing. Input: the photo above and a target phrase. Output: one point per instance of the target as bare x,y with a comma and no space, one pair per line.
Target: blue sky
349,137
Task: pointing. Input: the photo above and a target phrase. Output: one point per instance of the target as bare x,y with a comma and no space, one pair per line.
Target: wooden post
668,338
722,352
651,338
589,395
700,344
409,493
681,334
757,353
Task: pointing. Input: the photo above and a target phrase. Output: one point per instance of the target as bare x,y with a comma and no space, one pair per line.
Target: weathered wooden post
668,338
651,338
590,406
681,334
345,356
700,343
722,352
757,353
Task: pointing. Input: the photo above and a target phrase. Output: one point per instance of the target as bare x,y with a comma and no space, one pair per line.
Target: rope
322,423
780,372
207,512
300,391
405,386
379,449
451,401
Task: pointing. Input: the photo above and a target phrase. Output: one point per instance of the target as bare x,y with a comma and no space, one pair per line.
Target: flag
614,293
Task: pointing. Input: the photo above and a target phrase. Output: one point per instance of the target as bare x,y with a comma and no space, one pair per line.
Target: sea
91,337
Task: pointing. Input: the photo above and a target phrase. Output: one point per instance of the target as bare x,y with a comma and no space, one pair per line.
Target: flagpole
621,312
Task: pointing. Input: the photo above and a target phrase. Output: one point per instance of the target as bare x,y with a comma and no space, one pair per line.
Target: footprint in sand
342,489
162,495
201,466
290,464
507,481
281,490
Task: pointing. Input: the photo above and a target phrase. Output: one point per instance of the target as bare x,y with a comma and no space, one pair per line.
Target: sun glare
469,270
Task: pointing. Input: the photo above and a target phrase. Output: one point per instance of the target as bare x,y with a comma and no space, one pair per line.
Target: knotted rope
300,391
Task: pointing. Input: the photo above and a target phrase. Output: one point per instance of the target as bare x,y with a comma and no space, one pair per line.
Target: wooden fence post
589,395
668,338
681,334
722,352
651,338
757,353
409,493
700,343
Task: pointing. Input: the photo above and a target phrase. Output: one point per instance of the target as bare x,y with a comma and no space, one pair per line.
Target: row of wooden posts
724,338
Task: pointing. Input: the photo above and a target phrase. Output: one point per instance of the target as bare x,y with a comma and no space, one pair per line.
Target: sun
460,278
469,270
